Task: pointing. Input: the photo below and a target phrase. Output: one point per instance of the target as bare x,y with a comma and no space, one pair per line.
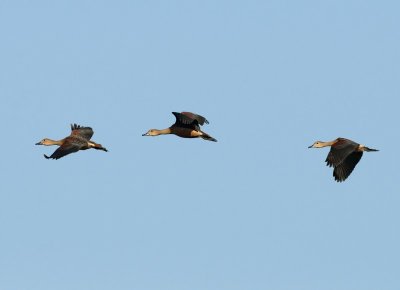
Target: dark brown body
343,156
79,139
187,125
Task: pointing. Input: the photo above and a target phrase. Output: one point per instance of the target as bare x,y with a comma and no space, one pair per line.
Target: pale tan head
319,144
151,132
46,142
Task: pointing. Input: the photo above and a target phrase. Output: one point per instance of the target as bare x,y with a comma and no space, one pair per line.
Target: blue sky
258,209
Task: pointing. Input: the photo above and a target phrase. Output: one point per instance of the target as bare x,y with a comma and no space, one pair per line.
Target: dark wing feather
344,169
184,121
200,119
339,151
84,132
70,145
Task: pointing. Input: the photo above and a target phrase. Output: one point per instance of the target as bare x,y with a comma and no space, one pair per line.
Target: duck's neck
328,143
163,131
54,142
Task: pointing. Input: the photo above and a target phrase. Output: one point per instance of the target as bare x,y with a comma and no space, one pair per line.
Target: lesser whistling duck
343,156
187,125
78,140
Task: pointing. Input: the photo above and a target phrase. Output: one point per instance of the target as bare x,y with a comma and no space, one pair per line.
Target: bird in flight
343,156
187,125
79,139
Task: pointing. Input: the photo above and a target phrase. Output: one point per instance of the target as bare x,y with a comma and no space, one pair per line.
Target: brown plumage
343,156
79,139
187,125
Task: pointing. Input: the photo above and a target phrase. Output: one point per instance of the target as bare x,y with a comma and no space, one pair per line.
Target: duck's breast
185,132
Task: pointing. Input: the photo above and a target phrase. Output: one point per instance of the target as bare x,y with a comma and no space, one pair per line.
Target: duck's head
317,144
151,132
45,141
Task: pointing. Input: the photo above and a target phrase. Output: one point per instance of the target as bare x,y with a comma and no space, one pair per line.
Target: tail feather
208,137
370,149
99,147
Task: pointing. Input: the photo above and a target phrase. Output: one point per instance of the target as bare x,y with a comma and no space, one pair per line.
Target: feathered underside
70,145
344,169
340,150
343,157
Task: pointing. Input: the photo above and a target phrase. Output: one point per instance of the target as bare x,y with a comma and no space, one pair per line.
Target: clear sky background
258,209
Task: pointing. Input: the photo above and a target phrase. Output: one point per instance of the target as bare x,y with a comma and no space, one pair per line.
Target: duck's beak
145,134
311,146
38,143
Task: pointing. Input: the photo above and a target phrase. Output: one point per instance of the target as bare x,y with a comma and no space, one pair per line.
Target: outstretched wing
344,169
200,119
69,146
340,151
185,121
84,132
